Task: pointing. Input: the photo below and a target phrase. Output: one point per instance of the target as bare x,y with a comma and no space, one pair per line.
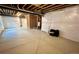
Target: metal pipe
21,10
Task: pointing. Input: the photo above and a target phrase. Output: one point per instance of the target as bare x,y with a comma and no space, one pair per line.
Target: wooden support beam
66,5
3,11
48,6
40,7
59,8
33,8
56,6
18,6
11,5
14,12
10,12
7,11
43,8
29,6
24,6
62,7
0,11
8,15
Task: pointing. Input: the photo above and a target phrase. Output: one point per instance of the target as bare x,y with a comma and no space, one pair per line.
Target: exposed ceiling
12,9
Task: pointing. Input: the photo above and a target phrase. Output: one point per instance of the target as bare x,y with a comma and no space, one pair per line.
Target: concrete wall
66,20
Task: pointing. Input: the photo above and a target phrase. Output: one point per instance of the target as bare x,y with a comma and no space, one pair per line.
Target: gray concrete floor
34,42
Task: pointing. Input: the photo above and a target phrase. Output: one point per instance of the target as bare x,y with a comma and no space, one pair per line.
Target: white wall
66,20
8,22
11,22
1,24
24,21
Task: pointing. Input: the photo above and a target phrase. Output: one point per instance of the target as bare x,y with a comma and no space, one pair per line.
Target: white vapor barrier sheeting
11,22
65,20
1,25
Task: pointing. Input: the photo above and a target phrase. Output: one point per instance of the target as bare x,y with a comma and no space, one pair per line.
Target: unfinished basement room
39,28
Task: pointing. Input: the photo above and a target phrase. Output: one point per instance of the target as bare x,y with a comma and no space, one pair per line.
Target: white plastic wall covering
24,23
1,24
11,22
65,20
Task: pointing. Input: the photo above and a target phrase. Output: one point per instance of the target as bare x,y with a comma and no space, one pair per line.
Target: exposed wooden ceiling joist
48,6
10,12
7,11
29,6
55,6
24,6
3,11
21,10
14,12
39,9
18,6
59,7
0,10
41,6
33,8
44,8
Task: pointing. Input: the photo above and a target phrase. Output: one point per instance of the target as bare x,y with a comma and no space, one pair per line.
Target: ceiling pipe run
21,10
